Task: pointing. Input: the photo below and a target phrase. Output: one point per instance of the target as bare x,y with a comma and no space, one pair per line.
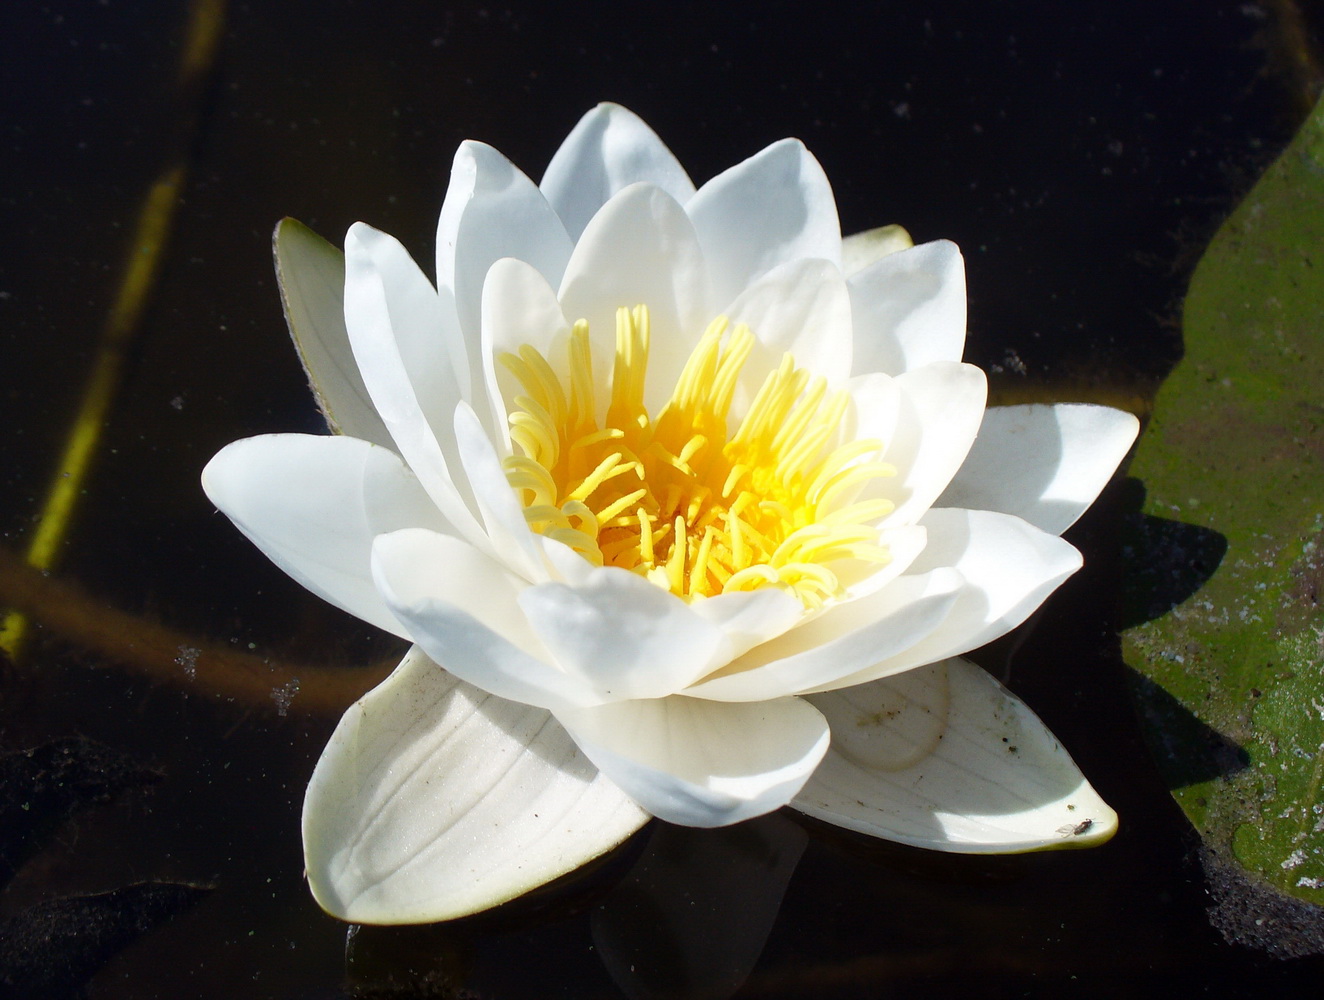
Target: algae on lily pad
1226,571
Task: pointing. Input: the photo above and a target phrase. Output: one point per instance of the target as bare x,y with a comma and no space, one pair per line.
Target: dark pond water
1080,153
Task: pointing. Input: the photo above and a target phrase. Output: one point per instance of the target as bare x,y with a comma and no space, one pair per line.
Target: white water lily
687,506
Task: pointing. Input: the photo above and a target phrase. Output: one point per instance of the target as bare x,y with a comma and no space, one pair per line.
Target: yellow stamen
646,539
689,498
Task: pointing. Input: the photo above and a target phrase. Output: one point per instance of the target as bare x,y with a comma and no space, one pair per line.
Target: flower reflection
688,916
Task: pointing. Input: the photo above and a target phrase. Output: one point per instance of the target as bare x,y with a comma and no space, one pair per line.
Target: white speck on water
188,659
284,695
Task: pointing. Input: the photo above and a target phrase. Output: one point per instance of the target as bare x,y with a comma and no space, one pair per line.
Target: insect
1075,829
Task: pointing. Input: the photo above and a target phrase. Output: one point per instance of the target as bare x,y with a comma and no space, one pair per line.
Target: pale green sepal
862,249
434,800
311,275
945,758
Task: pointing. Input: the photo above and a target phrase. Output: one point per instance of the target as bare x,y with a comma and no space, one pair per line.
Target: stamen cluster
679,498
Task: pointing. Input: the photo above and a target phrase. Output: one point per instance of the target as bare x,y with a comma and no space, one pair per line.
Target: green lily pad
1228,567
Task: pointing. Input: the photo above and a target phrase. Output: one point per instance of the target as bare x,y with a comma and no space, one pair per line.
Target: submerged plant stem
146,251
168,656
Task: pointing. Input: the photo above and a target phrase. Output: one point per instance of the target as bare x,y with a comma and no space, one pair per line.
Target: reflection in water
691,917
168,656
144,259
687,920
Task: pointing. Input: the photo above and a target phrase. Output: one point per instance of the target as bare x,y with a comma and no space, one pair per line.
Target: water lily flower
687,506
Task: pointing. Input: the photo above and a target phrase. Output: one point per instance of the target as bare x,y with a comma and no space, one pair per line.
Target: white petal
775,207
1046,464
492,210
756,618
610,149
626,637
927,420
749,617
703,763
519,308
462,608
1009,567
565,563
800,307
850,638
511,537
993,780
400,335
860,250
889,724
434,800
639,249
311,275
861,578
423,332
313,505
909,309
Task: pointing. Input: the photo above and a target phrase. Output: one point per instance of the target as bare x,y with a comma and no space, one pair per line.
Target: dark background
1080,153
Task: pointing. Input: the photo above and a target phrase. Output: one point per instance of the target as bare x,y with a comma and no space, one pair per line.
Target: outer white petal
492,210
423,332
1009,567
927,420
800,307
403,340
314,504
775,207
610,149
626,637
851,638
703,763
435,800
946,758
1046,464
462,608
311,275
909,309
639,249
860,250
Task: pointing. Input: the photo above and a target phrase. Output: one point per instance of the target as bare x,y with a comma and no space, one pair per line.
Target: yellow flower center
680,499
